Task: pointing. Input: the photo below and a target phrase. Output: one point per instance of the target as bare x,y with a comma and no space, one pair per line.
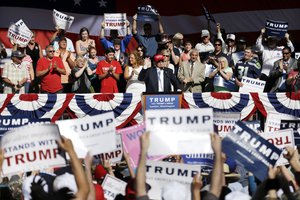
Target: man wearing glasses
50,69
281,69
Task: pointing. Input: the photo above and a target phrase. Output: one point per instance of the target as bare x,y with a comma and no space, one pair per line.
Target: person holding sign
114,35
84,43
50,69
159,78
108,72
281,69
15,74
270,53
191,73
149,41
60,33
246,67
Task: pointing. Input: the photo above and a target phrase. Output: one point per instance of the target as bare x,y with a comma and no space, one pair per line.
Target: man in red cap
159,78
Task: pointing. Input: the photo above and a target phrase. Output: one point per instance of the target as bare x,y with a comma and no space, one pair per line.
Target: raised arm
216,177
88,172
141,169
134,24
160,26
81,180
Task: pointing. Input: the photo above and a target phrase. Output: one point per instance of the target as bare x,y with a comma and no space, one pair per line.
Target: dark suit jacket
150,77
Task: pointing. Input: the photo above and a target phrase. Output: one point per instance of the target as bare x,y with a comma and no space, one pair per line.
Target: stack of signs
225,121
131,143
61,20
281,139
252,85
31,147
115,21
273,121
276,28
180,131
159,174
250,150
96,134
19,33
113,156
295,125
146,13
9,122
113,186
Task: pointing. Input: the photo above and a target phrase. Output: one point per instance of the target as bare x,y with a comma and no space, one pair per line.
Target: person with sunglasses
281,69
50,68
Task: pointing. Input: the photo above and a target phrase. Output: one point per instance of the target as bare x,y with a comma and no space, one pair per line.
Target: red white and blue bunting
221,102
127,108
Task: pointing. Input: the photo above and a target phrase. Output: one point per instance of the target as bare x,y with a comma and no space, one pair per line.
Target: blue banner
295,125
276,28
9,122
167,101
205,160
250,150
146,13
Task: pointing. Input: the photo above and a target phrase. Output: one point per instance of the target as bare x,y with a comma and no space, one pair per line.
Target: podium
161,101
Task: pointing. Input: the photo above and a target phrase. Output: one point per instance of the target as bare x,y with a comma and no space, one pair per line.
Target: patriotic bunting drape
127,108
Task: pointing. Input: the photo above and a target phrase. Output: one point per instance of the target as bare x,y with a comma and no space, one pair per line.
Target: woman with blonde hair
131,74
221,75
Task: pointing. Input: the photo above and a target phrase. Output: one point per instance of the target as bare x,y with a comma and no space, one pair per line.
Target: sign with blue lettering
295,125
167,101
159,174
250,150
96,134
146,13
276,28
9,122
180,131
205,160
252,85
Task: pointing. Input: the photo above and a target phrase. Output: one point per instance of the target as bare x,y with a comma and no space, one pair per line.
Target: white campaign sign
96,134
19,33
62,20
273,121
225,121
252,85
281,139
159,174
113,156
112,187
115,21
180,131
31,147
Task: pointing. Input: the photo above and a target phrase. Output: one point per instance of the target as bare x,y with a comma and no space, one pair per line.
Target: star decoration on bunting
77,2
102,3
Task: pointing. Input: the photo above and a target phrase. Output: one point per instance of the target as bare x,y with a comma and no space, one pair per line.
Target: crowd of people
159,63
209,66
